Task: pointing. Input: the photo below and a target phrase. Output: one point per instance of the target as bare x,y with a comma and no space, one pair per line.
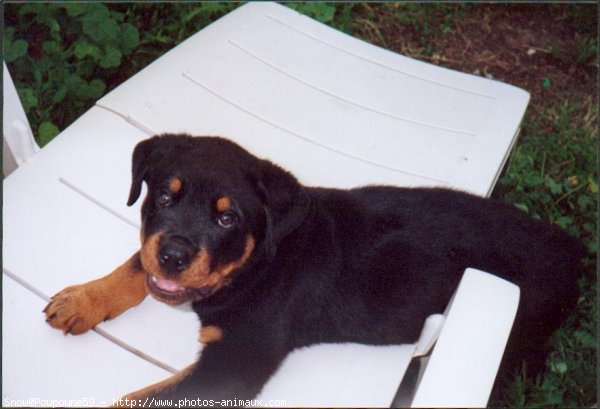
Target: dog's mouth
171,292
196,282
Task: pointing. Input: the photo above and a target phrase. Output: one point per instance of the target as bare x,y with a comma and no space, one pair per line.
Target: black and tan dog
271,265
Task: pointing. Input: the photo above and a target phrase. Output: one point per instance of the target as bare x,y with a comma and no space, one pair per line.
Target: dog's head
211,207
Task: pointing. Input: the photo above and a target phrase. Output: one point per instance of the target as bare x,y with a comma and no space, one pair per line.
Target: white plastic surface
346,375
429,335
18,143
42,367
336,112
466,357
54,236
343,375
280,83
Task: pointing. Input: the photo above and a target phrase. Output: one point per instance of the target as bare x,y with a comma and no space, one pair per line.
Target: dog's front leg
79,308
230,372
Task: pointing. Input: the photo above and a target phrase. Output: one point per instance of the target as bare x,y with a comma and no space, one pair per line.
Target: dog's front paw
73,310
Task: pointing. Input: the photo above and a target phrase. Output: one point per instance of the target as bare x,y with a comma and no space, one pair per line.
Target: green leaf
564,221
37,76
46,132
84,49
98,25
522,207
76,85
9,33
84,90
555,187
60,94
74,9
45,14
58,76
111,57
558,367
129,38
28,98
586,339
203,9
117,16
320,11
53,24
585,201
29,8
96,89
15,49
534,180
589,227
593,246
51,47
546,83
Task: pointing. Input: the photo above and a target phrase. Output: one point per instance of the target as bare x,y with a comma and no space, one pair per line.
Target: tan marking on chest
210,333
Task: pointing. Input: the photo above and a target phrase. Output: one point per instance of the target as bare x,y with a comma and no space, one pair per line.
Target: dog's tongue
167,285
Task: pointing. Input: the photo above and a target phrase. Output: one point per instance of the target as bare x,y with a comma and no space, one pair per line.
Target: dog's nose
175,255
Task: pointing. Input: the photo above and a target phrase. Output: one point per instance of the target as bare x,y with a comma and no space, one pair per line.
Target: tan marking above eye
223,204
175,185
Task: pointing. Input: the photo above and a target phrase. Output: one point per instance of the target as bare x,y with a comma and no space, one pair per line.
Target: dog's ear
285,201
139,169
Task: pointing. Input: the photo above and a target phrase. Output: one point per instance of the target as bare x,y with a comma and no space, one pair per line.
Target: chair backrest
333,110
18,142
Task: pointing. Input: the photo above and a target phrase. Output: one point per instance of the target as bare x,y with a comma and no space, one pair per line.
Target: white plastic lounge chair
330,108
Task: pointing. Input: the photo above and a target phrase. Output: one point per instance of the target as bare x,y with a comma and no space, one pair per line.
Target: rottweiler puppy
270,265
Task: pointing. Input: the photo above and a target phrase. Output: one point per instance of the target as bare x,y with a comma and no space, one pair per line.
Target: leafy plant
65,56
553,173
73,46
338,15
13,49
164,25
322,12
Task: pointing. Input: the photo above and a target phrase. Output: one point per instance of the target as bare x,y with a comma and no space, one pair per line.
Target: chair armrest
18,138
467,355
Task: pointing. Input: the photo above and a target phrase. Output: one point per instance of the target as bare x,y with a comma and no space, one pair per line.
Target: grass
552,173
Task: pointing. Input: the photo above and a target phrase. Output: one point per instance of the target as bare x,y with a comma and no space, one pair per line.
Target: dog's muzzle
175,254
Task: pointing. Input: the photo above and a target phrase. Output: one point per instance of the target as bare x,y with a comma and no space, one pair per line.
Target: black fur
366,265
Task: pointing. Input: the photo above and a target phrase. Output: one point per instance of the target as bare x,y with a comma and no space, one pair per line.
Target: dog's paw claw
70,311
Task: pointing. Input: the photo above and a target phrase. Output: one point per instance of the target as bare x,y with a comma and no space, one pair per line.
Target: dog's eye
163,198
227,220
